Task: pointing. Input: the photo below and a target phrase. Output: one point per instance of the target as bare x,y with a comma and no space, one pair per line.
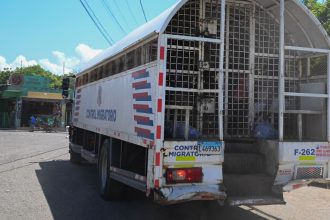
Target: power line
95,23
131,12
121,13
105,31
144,13
106,6
99,26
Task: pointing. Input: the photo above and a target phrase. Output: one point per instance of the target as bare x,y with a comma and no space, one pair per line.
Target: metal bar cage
251,74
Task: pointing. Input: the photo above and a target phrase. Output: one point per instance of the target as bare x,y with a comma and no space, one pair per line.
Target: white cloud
53,67
86,53
68,63
18,62
83,54
22,61
3,63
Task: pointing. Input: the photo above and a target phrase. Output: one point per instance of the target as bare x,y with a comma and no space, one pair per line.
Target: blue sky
50,32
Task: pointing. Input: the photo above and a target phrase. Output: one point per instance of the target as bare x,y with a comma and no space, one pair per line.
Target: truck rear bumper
177,194
295,184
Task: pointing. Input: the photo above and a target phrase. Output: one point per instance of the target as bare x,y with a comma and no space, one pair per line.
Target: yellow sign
304,158
181,158
44,95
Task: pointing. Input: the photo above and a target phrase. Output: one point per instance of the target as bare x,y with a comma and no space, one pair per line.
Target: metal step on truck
211,100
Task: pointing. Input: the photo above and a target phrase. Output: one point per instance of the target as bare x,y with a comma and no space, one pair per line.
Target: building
30,95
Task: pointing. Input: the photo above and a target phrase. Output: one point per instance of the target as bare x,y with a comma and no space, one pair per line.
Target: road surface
37,181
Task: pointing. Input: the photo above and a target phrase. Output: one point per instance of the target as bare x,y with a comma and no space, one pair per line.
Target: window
86,78
142,55
121,64
99,73
93,76
113,67
130,59
106,71
138,56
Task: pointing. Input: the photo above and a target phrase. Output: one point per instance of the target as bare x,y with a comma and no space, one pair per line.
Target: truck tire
109,188
75,158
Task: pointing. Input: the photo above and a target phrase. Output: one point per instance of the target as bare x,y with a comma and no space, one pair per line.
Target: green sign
28,82
36,82
20,83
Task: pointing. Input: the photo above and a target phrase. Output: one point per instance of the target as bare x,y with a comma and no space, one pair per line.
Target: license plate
210,147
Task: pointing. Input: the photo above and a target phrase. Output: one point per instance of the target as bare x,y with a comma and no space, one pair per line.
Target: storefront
28,96
42,106
8,107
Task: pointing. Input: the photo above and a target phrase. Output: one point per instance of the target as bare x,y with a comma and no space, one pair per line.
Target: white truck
211,100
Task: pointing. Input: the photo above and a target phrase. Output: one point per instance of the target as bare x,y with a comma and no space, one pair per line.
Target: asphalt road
37,181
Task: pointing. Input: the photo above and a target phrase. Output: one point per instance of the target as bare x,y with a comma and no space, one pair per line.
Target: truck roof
307,31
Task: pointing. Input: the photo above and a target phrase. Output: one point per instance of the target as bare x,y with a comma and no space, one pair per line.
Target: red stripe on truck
161,79
140,95
138,73
139,83
144,107
162,53
159,132
142,131
141,118
160,105
157,163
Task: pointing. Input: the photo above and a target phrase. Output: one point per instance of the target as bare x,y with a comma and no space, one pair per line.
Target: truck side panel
122,106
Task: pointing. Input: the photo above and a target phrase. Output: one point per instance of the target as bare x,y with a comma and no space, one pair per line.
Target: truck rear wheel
109,189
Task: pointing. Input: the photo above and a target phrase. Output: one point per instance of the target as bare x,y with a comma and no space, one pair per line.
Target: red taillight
184,175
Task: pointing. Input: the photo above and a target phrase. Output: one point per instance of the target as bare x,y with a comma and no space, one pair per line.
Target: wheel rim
103,170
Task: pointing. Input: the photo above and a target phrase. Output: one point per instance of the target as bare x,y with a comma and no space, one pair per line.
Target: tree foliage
36,70
4,76
321,9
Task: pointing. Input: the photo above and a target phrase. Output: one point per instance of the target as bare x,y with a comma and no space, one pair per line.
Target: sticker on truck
304,151
209,147
312,153
193,151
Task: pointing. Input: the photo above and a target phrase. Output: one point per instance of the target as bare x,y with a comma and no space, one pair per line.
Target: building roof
306,30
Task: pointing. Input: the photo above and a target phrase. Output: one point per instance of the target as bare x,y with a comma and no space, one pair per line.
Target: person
33,122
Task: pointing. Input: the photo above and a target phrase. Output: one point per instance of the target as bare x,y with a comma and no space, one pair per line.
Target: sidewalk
36,129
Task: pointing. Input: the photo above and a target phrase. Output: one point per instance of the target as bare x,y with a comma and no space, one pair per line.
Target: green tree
4,76
321,9
36,70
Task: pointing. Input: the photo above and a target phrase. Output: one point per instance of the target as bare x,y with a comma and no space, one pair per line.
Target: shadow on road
71,192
